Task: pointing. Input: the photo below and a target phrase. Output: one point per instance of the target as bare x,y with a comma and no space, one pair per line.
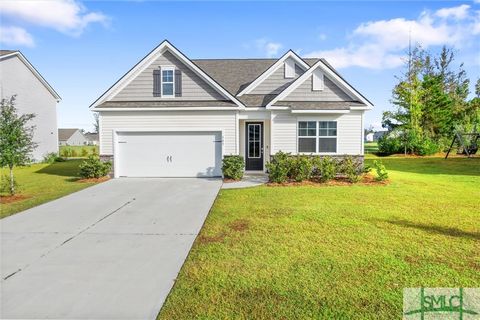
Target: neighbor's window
317,136
167,82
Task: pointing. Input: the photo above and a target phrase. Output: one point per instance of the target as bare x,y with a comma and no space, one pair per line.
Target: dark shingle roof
319,105
256,100
65,134
236,74
90,136
5,52
173,104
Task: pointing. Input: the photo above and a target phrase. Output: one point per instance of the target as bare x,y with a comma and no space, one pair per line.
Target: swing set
468,148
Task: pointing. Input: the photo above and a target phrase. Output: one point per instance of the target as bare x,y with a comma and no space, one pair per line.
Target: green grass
40,183
337,252
79,149
371,147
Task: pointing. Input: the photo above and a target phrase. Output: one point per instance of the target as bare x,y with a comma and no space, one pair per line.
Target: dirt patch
211,239
341,181
94,180
240,225
14,198
226,180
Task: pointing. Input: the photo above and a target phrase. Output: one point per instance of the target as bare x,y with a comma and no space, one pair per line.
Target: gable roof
4,54
65,134
331,74
147,60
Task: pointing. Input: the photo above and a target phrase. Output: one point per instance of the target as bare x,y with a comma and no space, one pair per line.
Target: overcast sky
83,47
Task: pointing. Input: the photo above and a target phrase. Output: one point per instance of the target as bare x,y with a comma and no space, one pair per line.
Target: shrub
425,147
326,168
84,152
390,145
94,151
94,168
5,185
301,167
352,169
66,152
50,157
232,167
279,167
382,173
73,153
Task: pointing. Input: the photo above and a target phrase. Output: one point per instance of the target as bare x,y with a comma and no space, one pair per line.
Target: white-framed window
168,82
254,142
317,136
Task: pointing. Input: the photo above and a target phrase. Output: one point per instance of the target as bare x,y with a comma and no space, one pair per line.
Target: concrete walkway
248,180
111,251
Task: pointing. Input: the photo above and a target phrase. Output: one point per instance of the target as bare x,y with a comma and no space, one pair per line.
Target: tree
16,138
96,124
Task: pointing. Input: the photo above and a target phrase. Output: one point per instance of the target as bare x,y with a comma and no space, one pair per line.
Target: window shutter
178,83
157,83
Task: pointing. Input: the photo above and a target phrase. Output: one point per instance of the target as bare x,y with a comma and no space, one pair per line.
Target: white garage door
169,154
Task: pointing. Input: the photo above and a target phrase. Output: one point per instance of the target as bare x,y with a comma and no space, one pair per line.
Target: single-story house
171,116
71,137
33,95
92,138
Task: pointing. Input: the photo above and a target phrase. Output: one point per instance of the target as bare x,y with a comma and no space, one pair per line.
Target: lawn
371,147
40,183
337,252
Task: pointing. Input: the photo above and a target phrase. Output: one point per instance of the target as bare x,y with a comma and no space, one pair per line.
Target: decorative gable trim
34,71
274,67
147,61
332,75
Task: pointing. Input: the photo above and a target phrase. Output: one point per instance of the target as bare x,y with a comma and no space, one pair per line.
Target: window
167,82
317,136
254,142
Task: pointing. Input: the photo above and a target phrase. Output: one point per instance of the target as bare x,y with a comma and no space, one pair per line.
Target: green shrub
382,173
66,152
94,151
425,147
84,152
50,157
73,153
94,168
326,168
352,169
390,145
279,167
301,168
5,184
232,167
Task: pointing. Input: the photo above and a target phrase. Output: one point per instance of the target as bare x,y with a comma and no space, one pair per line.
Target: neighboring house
71,137
92,138
369,137
170,116
33,95
377,135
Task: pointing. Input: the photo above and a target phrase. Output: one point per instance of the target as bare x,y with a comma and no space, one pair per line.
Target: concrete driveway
111,251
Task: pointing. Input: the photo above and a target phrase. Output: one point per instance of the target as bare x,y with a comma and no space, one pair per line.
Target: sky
83,47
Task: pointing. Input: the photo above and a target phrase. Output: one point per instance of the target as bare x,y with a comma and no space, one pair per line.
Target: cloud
14,36
381,44
268,48
67,16
323,36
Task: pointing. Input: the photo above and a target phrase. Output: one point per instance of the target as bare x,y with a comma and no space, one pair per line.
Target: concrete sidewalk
111,251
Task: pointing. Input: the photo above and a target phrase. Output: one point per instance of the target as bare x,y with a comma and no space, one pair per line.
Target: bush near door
232,167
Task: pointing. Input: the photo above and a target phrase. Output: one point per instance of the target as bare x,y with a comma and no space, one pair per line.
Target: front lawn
337,252
40,183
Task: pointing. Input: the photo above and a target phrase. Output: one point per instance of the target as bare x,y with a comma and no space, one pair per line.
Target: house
71,137
377,135
92,138
33,95
171,116
369,137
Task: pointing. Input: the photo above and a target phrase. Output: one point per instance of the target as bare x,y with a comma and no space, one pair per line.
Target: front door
254,146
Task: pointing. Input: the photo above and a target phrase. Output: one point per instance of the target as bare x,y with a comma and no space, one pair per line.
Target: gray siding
276,82
331,92
32,97
193,87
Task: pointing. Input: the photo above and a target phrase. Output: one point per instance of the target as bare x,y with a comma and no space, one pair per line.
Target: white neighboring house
34,95
170,116
92,138
369,137
71,137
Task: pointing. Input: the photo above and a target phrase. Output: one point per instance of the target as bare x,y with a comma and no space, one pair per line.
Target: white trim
34,71
330,74
147,61
289,66
318,81
272,69
237,133
100,133
321,111
167,68
168,109
278,108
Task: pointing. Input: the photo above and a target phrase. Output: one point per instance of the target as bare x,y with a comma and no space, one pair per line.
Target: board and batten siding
331,92
193,87
349,131
276,82
168,121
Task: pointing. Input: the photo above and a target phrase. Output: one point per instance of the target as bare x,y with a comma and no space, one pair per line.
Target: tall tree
16,138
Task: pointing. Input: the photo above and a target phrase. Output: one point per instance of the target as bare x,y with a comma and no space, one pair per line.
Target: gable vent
289,68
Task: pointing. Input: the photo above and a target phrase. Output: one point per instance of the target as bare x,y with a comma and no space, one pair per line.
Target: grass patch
371,147
78,150
342,252
40,183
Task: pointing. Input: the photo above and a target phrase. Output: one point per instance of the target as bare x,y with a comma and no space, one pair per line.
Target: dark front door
254,146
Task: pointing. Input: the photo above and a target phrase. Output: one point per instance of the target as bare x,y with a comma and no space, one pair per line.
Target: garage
168,154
